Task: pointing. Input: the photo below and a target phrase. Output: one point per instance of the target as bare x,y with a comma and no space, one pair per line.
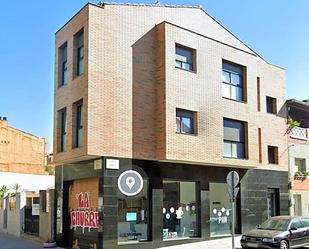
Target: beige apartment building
169,93
20,152
299,157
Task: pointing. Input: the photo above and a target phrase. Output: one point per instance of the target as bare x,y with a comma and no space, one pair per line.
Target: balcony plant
291,124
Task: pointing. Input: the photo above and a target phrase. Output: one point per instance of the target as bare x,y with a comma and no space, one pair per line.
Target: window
258,93
185,121
133,219
273,155
185,58
300,164
271,105
234,138
63,129
233,81
63,64
78,124
180,210
79,53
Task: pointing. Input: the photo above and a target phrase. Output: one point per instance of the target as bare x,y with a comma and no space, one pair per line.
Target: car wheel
284,244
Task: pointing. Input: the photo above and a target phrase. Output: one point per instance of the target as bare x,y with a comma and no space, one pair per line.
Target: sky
277,30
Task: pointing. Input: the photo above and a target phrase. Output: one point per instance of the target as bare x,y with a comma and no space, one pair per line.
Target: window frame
273,103
244,143
275,154
191,115
62,128
63,64
231,85
79,57
193,67
79,124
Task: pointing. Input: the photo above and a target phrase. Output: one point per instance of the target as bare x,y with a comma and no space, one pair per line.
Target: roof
300,104
101,4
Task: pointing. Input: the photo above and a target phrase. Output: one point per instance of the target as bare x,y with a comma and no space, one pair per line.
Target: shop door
84,219
32,216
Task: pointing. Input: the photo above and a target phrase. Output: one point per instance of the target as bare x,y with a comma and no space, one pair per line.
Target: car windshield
275,224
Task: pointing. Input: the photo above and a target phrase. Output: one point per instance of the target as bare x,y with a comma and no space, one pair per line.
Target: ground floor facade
102,204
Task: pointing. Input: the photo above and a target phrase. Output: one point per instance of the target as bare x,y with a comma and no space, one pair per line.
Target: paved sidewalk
225,243
12,242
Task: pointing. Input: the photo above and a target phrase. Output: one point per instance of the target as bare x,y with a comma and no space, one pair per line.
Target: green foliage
16,188
50,169
3,191
293,123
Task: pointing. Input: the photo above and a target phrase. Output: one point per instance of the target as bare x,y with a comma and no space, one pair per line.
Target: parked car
281,232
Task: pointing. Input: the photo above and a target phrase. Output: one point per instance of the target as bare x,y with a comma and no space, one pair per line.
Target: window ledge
275,114
236,158
186,70
188,134
238,101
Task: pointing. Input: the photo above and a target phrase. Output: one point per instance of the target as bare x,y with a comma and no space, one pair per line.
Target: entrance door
297,205
32,218
273,202
220,210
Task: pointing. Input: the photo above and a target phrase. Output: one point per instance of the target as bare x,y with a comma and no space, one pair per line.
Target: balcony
300,175
299,133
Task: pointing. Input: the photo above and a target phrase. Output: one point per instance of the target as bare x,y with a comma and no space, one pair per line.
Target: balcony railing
300,175
299,133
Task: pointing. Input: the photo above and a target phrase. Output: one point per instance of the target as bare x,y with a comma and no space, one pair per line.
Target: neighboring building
169,92
299,157
20,152
22,158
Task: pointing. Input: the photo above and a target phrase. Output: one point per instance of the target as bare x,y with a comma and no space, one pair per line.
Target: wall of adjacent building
20,151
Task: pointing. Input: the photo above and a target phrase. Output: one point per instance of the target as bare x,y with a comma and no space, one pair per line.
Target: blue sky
276,29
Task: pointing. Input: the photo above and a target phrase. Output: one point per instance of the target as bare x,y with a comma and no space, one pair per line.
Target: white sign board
112,164
35,209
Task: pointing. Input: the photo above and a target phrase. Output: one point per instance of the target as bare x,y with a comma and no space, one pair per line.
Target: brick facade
131,88
20,152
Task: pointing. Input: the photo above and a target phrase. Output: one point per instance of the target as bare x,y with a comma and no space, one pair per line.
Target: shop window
180,210
220,210
133,220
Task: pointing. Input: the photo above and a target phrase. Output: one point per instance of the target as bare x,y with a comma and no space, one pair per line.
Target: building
20,152
123,74
22,172
299,157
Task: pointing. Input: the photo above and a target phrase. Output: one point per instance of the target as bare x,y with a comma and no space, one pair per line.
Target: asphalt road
11,242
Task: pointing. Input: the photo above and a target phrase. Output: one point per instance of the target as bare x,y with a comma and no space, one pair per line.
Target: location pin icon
130,181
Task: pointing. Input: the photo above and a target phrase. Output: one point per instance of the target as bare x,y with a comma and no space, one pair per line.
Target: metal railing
299,133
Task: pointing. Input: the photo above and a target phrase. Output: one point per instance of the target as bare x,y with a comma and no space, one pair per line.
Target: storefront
123,203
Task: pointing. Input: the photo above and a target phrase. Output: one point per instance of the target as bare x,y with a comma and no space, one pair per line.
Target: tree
16,188
3,191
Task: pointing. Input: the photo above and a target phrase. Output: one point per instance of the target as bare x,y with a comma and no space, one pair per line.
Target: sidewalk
225,243
11,242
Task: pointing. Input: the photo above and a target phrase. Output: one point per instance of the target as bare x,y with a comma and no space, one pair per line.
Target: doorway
273,206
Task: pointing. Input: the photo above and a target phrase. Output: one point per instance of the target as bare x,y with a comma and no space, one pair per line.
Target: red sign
84,216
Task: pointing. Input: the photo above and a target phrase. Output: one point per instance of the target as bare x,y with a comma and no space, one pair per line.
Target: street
12,242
